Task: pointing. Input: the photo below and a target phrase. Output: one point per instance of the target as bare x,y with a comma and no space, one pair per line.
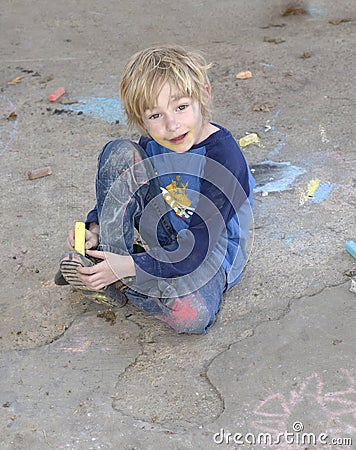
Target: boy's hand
112,268
91,239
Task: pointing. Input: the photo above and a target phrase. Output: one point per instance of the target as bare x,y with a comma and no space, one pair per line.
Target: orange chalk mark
244,75
56,94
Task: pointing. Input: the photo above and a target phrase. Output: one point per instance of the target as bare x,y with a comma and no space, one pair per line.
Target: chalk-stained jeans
126,184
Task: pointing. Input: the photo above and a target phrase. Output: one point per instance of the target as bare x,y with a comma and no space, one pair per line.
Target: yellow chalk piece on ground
311,189
79,237
251,138
15,80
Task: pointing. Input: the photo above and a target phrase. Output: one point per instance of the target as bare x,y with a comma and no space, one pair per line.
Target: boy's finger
87,270
70,240
96,254
89,244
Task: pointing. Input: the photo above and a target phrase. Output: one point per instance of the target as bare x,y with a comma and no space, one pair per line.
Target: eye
182,107
153,116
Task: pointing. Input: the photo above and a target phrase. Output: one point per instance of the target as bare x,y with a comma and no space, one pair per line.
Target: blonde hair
148,70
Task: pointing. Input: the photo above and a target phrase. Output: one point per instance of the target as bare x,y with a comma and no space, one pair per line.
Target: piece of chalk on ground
39,173
350,246
56,94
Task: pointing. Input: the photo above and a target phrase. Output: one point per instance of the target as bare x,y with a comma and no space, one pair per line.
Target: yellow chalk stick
251,138
79,237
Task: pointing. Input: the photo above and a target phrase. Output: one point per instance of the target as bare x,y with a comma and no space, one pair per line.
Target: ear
208,90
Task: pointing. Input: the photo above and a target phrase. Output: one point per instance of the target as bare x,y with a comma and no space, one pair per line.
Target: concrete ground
277,370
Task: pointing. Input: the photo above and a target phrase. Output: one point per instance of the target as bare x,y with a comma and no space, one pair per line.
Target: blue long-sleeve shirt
209,192
209,189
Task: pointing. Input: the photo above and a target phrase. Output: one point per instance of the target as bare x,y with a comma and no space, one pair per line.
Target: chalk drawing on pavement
316,191
272,176
107,108
336,410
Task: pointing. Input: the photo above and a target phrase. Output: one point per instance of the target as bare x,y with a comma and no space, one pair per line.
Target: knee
123,149
189,315
121,157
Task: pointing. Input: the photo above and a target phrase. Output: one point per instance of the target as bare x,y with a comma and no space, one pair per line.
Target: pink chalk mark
82,347
275,401
339,408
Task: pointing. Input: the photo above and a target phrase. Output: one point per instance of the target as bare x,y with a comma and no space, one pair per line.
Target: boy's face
176,122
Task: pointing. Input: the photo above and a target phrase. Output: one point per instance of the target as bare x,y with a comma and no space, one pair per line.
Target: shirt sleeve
92,216
224,188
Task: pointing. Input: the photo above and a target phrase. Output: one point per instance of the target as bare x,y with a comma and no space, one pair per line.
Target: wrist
129,267
122,266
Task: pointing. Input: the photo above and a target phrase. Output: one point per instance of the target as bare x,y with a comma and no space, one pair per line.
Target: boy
185,188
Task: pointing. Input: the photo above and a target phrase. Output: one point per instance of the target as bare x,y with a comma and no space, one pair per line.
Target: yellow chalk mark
324,138
310,191
48,284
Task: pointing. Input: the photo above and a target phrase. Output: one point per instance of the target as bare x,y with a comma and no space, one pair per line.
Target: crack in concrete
283,315
203,373
175,424
164,389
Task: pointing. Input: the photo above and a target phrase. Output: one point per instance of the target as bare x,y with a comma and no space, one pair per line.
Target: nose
171,122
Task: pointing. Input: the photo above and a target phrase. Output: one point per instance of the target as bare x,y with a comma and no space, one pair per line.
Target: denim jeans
126,188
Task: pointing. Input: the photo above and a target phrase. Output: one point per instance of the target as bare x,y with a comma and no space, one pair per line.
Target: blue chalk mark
314,11
109,109
282,143
275,117
274,176
322,192
350,246
278,148
8,132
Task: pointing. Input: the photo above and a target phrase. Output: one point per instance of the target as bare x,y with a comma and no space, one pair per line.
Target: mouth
179,139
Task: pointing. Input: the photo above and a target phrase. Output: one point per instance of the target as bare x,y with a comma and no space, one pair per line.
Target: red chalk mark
185,314
56,94
183,310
